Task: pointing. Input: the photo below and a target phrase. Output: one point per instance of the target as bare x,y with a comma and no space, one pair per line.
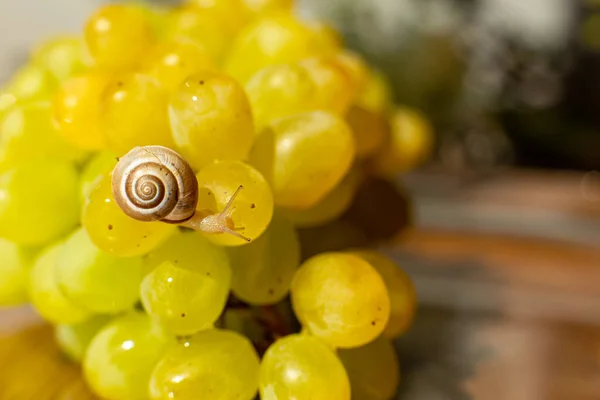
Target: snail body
155,183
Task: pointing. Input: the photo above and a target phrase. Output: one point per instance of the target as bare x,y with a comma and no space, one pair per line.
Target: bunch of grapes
180,193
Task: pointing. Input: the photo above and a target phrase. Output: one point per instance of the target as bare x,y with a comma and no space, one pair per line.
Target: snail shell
155,183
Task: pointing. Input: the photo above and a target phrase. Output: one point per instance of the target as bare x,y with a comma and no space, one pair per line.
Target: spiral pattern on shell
155,183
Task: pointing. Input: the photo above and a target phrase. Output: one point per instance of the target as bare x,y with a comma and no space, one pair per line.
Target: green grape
38,202
188,283
409,144
171,62
74,339
95,280
376,95
117,36
279,91
202,26
14,270
112,231
213,364
263,270
134,113
63,57
341,299
303,157
302,367
271,40
403,299
76,110
211,119
120,359
370,130
248,213
100,165
334,88
30,82
332,206
373,370
45,294
27,133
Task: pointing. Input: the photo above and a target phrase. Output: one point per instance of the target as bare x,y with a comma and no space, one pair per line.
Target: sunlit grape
211,119
302,367
303,157
279,91
45,293
402,294
95,280
373,370
62,56
117,35
370,130
252,207
134,113
263,270
31,82
188,283
409,144
38,202
113,231
334,87
96,168
27,133
341,299
121,357
76,110
171,62
257,8
213,364
74,339
14,270
376,94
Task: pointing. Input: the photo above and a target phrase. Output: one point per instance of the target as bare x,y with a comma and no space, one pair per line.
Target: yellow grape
355,67
38,202
30,82
332,206
74,339
113,231
263,270
403,299
211,119
230,13
117,36
376,94
95,280
370,130
302,367
252,206
76,110
373,370
171,62
258,8
303,157
279,91
188,283
14,269
120,358
62,56
156,16
341,299
409,144
100,165
45,293
334,87
326,39
7,100
27,134
134,113
274,39
200,25
213,364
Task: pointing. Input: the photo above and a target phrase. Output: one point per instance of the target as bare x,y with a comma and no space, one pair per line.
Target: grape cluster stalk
258,154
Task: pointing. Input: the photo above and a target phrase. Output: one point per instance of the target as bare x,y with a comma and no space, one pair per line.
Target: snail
155,183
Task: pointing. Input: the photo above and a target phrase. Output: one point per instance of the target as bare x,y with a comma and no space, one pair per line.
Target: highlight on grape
191,196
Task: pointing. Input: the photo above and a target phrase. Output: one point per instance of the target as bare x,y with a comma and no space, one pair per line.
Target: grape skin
74,339
14,269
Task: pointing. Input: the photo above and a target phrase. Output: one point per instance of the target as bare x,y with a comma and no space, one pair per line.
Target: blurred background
505,254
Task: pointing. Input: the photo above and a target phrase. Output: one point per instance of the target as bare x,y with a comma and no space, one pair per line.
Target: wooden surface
507,312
